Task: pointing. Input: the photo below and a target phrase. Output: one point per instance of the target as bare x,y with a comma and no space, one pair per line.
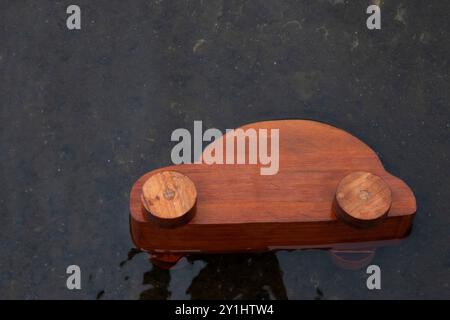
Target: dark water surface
85,113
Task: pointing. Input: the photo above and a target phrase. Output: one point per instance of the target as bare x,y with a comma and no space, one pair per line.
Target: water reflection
63,197
232,276
131,253
159,280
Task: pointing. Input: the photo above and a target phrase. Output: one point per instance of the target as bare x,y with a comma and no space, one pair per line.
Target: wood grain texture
240,210
362,199
169,198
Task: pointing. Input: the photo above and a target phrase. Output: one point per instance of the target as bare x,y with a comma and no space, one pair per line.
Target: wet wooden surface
238,209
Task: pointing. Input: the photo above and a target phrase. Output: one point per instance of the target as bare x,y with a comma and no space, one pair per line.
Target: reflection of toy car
331,192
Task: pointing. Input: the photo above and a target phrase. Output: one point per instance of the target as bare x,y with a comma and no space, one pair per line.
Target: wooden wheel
169,197
363,199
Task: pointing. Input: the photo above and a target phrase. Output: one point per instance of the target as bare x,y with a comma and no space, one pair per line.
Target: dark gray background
85,113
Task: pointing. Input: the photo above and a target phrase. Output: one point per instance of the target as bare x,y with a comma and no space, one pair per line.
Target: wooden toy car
331,192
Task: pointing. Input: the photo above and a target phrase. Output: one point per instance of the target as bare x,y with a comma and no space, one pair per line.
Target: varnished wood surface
169,197
362,199
238,209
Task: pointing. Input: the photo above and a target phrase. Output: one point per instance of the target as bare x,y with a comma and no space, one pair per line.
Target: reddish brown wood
240,210
352,259
169,198
362,199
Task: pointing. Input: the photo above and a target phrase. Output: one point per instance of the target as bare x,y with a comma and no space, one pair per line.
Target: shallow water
85,113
